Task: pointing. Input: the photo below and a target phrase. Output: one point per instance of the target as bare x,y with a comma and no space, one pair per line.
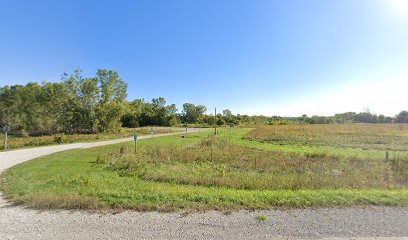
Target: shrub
124,149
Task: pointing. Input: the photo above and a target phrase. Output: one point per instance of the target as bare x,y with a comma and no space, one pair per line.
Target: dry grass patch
216,163
362,136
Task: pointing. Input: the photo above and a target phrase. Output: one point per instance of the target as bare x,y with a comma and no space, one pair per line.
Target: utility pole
215,122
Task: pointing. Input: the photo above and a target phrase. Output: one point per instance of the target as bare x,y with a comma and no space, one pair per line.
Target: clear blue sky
257,57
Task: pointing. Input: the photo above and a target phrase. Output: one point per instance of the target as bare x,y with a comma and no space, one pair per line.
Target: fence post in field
215,121
5,141
211,153
387,168
135,140
6,130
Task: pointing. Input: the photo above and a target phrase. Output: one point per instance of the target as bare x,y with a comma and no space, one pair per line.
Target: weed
124,150
261,218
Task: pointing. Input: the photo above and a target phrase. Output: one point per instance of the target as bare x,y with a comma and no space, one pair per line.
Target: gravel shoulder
17,222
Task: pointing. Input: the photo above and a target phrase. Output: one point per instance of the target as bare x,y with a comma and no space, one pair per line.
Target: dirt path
20,223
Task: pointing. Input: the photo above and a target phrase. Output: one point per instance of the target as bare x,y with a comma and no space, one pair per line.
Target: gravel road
325,223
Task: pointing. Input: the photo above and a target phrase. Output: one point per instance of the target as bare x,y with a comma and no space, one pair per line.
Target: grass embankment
181,173
15,142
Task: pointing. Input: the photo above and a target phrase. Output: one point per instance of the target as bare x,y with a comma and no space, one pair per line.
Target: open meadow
240,168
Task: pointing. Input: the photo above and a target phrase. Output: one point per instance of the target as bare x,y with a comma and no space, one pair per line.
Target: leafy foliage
74,105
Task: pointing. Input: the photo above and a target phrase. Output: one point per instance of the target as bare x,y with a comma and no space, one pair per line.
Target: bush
124,150
220,122
60,138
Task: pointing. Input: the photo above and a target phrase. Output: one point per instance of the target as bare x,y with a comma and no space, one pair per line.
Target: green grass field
235,170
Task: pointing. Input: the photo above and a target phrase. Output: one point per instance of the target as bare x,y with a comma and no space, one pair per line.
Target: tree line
98,104
352,117
76,104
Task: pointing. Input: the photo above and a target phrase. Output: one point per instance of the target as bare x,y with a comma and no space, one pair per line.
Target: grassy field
16,142
270,166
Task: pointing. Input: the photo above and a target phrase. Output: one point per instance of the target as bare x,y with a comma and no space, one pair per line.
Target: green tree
173,119
160,111
192,113
227,113
402,117
88,99
111,104
9,105
220,122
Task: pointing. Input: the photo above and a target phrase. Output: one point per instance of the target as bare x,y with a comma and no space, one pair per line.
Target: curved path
351,223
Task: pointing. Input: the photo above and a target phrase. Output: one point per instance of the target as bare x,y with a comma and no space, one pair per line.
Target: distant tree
227,113
229,117
111,104
384,119
402,117
33,108
220,122
160,111
60,107
9,107
192,113
79,102
200,111
209,120
172,119
172,109
344,117
133,110
88,96
189,113
363,117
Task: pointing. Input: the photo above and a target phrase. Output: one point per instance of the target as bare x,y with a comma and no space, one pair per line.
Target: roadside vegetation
99,105
17,142
238,169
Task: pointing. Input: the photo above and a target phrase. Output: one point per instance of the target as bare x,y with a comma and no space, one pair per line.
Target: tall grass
218,163
359,136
